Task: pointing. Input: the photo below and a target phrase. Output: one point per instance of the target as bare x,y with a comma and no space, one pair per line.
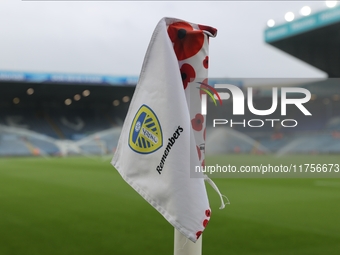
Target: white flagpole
183,246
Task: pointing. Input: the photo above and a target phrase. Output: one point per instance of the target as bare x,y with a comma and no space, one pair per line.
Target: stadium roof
55,88
320,87
67,78
314,39
57,94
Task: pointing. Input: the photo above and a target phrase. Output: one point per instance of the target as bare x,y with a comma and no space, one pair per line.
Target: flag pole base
183,246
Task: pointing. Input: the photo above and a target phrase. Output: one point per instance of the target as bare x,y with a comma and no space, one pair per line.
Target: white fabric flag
163,137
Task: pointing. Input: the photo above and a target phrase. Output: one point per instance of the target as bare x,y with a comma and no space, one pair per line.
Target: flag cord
212,184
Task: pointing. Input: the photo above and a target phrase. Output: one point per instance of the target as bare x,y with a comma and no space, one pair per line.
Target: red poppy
206,62
187,41
198,234
207,213
198,152
205,223
197,122
188,74
211,30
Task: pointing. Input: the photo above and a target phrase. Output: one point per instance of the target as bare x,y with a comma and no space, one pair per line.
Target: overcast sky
111,37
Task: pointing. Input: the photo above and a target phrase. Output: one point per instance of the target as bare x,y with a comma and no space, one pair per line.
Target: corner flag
163,136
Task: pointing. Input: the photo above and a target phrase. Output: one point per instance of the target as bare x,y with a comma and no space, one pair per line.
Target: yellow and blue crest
145,133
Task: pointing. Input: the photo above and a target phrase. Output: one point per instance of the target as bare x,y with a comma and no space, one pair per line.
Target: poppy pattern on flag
190,43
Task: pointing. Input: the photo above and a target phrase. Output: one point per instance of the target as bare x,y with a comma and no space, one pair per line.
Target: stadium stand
59,114
319,133
314,39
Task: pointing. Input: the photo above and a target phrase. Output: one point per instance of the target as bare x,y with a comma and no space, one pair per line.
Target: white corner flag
163,137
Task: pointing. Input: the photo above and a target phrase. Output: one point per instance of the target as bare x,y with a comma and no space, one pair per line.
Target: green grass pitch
80,205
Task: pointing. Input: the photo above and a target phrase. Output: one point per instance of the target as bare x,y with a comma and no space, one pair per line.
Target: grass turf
82,206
